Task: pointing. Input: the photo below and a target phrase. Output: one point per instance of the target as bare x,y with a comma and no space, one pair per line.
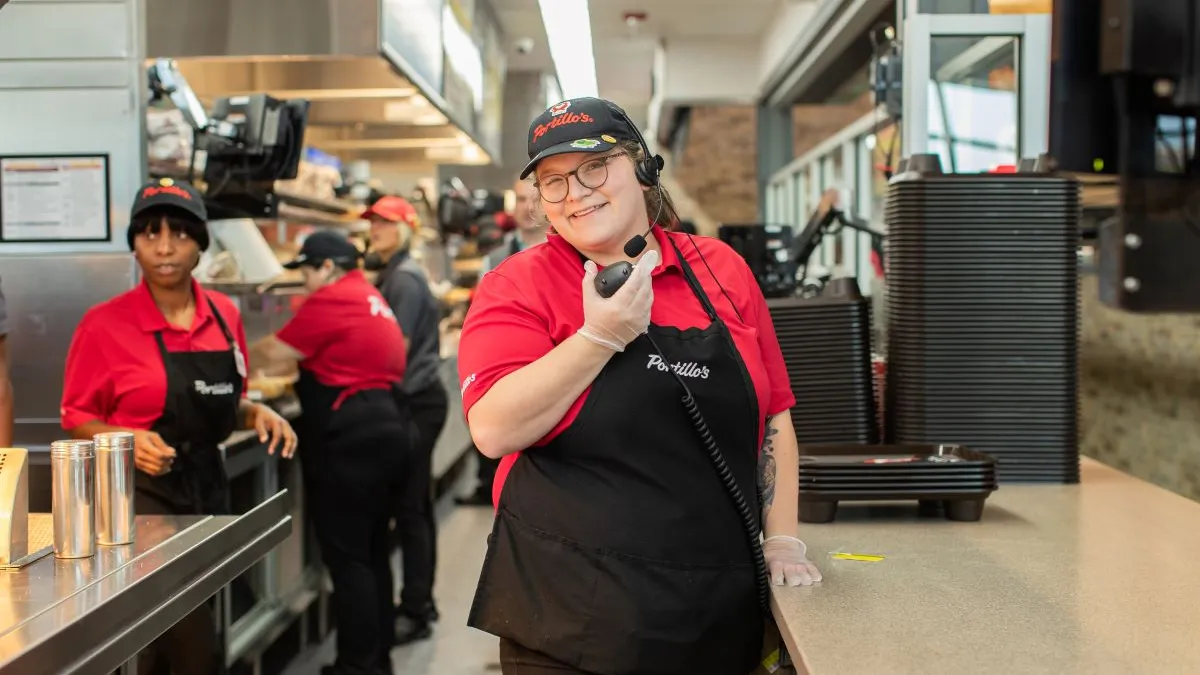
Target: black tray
883,473
964,507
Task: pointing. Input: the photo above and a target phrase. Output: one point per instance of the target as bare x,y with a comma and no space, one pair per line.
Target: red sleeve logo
560,108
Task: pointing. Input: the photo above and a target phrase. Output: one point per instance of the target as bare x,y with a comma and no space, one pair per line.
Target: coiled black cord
749,521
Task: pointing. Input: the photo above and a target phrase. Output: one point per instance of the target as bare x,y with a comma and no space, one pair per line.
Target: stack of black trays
983,317
955,478
826,343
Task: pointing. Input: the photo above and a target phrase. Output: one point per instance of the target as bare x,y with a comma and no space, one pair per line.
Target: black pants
486,471
190,647
351,469
416,529
517,660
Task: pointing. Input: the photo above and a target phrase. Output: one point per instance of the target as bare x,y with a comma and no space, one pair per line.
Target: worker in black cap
166,361
356,429
642,420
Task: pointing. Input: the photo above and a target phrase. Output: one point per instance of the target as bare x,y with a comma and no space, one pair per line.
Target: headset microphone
636,244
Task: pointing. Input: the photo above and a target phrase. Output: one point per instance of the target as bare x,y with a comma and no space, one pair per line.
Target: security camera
523,45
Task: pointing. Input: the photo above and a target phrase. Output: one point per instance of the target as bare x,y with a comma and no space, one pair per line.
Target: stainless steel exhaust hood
327,51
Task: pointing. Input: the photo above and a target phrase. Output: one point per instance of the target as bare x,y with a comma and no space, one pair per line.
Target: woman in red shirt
618,547
166,361
356,430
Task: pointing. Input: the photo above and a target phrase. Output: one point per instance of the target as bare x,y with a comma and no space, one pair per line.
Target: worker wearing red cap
404,286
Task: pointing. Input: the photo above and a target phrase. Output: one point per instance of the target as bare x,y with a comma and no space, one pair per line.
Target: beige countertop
1094,578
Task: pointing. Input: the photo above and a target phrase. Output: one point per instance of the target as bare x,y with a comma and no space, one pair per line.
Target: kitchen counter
92,615
1089,579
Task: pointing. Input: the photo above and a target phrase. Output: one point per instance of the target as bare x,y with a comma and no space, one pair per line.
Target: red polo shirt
114,371
348,336
533,301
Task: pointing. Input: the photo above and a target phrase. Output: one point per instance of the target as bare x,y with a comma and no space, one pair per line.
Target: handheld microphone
611,278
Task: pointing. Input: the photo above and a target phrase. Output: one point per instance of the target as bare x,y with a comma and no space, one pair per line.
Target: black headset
647,169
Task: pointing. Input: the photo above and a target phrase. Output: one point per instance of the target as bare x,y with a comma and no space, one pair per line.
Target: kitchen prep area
972,224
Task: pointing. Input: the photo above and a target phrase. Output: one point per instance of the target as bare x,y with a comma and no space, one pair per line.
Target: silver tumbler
114,489
72,491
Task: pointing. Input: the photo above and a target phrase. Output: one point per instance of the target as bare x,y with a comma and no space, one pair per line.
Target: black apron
616,549
204,392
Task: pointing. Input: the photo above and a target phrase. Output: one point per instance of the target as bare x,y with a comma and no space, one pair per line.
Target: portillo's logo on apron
219,389
689,369
561,121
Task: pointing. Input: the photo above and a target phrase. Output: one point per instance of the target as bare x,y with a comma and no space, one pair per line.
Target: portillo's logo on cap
166,187
559,108
569,118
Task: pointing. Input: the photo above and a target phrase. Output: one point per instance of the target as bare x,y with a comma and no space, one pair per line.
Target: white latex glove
788,562
615,322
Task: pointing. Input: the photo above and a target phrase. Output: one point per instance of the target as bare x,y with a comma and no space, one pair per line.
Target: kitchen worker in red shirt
356,428
167,362
616,548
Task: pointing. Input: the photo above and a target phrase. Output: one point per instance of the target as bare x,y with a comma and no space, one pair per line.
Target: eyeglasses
591,175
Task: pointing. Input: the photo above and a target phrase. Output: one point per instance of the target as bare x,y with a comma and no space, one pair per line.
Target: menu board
412,34
54,198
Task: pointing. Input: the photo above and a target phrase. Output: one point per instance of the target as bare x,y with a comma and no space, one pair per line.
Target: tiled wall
1140,393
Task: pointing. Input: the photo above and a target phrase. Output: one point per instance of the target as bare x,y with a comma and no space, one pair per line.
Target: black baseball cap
168,193
577,125
325,245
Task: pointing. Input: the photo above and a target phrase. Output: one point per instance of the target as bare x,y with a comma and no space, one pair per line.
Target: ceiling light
569,33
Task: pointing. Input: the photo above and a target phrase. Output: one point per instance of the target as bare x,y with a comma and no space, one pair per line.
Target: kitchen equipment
826,344
983,317
953,477
115,511
72,492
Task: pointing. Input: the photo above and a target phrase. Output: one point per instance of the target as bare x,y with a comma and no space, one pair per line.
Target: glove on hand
615,322
787,562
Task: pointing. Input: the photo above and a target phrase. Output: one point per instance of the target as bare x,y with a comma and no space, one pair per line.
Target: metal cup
115,513
72,492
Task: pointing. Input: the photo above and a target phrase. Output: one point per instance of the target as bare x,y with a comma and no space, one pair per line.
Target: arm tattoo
766,468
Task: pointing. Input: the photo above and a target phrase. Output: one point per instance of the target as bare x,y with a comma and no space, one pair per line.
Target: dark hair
178,220
345,264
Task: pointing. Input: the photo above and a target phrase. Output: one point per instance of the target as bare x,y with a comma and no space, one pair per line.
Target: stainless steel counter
1092,578
93,615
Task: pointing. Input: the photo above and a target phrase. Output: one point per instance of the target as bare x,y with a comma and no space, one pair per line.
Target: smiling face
596,220
166,252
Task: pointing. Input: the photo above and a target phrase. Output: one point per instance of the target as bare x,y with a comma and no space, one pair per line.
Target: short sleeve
503,332
781,397
87,390
239,335
311,329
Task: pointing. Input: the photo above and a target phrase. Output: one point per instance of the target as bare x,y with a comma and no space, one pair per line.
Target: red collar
150,318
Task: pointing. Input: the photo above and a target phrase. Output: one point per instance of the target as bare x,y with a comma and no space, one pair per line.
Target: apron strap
221,322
